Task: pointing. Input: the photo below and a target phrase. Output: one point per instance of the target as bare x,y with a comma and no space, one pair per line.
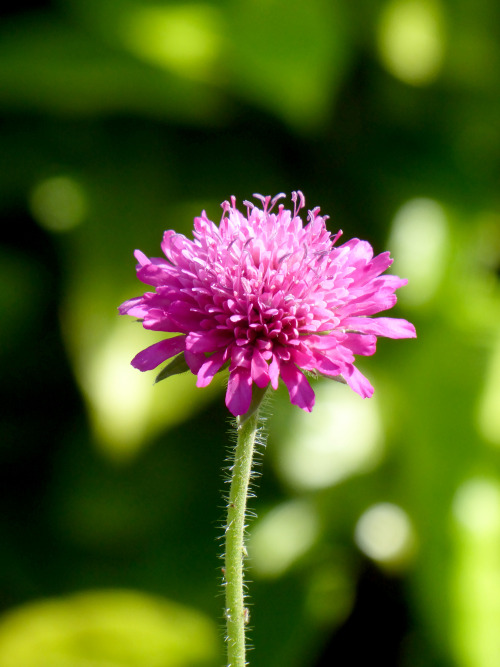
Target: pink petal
326,342
359,251
326,366
305,360
390,327
157,319
301,392
141,258
210,368
194,361
134,307
377,266
239,392
152,274
360,343
259,370
208,341
358,382
241,357
274,372
154,355
185,315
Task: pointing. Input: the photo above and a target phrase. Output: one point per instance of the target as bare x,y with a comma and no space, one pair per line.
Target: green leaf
177,366
107,627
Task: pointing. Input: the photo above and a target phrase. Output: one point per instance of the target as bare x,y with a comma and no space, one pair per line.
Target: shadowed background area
377,534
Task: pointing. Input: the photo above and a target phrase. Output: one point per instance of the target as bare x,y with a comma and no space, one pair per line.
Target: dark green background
121,118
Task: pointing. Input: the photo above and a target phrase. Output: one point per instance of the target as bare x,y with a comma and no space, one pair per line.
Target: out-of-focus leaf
103,628
289,58
49,65
183,38
271,53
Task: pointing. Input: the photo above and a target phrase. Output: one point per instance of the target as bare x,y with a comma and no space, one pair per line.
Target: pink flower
268,296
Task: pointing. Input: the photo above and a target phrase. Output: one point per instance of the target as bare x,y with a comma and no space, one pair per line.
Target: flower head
269,297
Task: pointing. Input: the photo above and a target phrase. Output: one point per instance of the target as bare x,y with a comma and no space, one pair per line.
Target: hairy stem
236,614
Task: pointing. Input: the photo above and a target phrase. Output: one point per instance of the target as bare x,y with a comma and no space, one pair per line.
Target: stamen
225,206
275,199
337,236
265,200
249,206
285,256
297,205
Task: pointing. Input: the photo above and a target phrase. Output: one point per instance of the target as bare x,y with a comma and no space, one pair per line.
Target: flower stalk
235,551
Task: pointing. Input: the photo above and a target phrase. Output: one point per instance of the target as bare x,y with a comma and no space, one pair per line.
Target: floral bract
269,296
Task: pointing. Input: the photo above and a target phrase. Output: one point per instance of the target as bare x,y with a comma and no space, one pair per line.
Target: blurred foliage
107,627
378,529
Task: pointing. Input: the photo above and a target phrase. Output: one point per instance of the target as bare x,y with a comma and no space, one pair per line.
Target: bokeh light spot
120,405
281,537
179,38
476,506
342,437
331,593
411,40
58,204
475,580
419,241
488,414
384,533
125,407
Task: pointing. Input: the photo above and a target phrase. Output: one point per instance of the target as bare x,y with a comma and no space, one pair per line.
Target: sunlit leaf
175,367
104,628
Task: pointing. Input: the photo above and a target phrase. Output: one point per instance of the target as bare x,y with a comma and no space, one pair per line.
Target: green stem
236,614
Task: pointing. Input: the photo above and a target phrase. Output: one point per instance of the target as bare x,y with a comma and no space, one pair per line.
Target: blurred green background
377,535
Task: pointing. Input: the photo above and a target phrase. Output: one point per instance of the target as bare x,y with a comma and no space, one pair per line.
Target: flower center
264,326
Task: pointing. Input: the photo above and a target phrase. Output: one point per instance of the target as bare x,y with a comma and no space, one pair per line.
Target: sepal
335,378
177,366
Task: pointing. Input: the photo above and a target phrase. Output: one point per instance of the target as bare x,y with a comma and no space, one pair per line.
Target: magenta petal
301,392
327,367
358,382
157,320
210,368
390,327
154,355
240,357
173,245
325,342
239,392
141,258
304,359
274,372
152,274
360,343
186,317
194,361
134,307
208,341
259,370
377,265
360,251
